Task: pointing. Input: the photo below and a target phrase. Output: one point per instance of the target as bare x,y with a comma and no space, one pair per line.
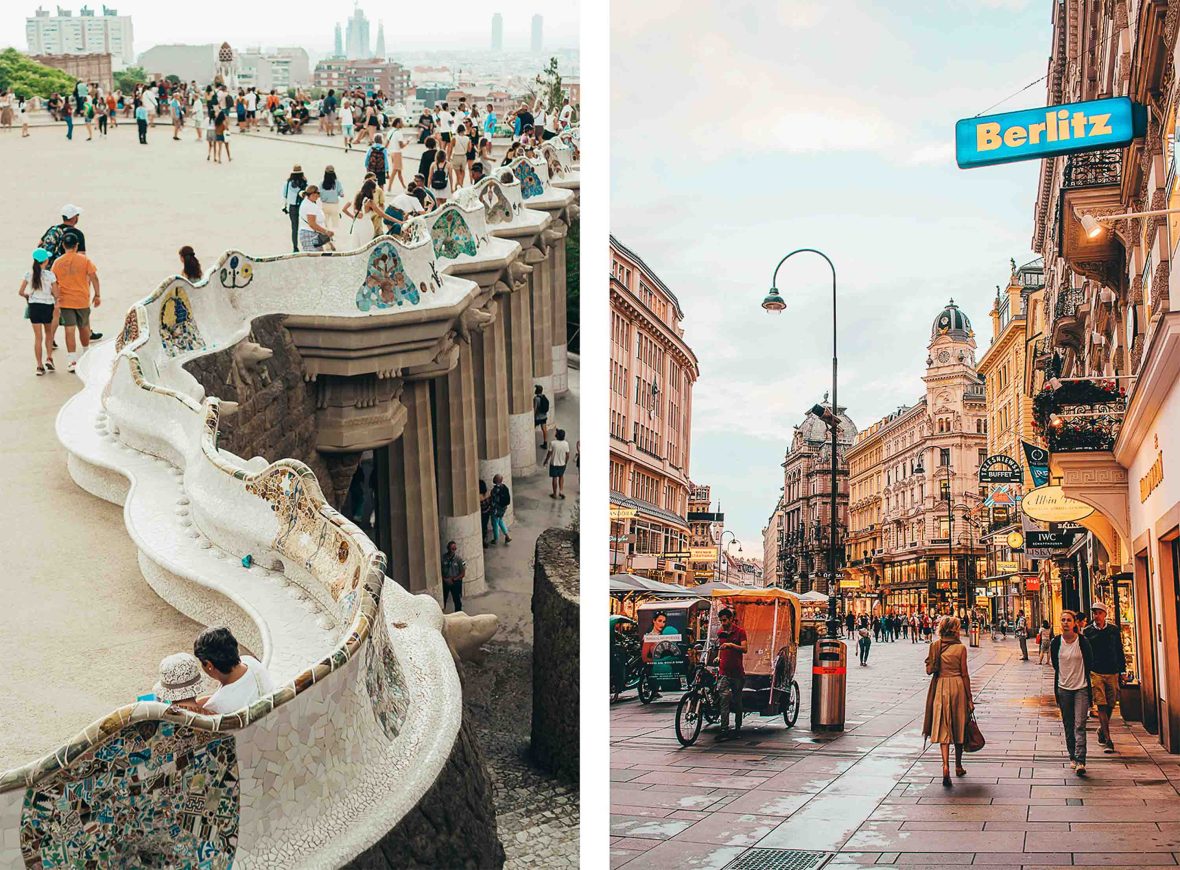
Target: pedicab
626,662
771,619
669,630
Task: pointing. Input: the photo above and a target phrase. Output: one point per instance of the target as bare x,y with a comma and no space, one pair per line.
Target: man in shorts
541,414
251,109
75,275
557,458
1106,673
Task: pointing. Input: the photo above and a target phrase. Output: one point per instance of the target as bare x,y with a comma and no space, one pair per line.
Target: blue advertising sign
1031,134
1038,463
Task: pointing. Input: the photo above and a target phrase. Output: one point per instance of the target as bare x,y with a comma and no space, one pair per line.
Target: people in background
501,498
293,189
1044,637
556,458
454,569
331,192
541,413
242,679
313,235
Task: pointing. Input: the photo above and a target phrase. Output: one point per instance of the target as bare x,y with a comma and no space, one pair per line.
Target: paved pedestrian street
873,796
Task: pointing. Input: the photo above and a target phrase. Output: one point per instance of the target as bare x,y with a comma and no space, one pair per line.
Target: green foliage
127,79
27,78
546,87
172,79
573,243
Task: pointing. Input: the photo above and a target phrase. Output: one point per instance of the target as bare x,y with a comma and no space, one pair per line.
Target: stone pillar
542,298
560,350
490,360
516,311
416,562
457,457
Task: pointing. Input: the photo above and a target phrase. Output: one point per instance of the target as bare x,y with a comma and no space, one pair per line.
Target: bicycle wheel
688,718
647,691
791,705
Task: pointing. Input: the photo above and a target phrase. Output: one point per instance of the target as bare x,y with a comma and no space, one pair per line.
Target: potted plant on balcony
1079,415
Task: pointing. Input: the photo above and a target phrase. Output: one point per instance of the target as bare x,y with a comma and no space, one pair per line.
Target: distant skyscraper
497,32
536,45
357,36
339,52
85,33
380,50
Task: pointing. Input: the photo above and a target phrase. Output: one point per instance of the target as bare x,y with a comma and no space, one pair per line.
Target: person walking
313,235
331,192
850,624
1044,636
876,628
141,121
293,189
731,651
454,569
75,275
377,160
346,124
1072,659
501,498
556,458
39,290
905,626
22,113
485,509
67,114
1109,666
541,413
862,644
1022,634
440,183
397,142
948,700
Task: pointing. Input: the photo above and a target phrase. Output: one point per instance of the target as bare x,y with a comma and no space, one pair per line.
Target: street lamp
727,546
775,304
720,547
1093,227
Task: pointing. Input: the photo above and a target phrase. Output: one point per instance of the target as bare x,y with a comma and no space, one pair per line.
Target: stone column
559,231
516,311
457,457
542,297
490,358
416,562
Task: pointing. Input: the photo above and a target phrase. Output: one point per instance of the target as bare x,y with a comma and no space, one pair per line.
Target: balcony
1080,416
1091,182
1068,317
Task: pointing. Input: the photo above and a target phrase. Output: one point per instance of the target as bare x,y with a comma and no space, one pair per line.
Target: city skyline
863,171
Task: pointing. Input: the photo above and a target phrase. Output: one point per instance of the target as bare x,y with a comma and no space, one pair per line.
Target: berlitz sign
1034,133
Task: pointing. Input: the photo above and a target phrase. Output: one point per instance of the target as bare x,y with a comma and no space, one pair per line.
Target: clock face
944,356
944,322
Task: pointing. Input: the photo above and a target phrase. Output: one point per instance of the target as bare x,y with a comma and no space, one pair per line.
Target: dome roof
225,54
815,431
951,320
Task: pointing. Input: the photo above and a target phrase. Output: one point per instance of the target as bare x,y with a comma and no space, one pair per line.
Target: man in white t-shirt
251,109
567,115
311,221
243,679
556,459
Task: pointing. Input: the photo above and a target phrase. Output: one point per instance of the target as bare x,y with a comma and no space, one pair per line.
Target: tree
547,88
173,79
127,79
27,78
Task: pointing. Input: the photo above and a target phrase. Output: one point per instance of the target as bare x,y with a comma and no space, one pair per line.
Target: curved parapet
368,709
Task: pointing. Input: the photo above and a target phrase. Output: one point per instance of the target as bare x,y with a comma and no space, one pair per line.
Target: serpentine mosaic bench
369,704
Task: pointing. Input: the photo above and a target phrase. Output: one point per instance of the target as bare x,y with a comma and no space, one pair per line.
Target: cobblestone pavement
537,815
873,795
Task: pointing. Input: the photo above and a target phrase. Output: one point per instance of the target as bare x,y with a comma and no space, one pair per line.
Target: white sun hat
181,678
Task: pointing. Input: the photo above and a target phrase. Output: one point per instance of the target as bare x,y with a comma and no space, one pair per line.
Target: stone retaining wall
556,654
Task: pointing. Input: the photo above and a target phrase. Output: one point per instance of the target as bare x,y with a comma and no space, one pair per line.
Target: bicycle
700,704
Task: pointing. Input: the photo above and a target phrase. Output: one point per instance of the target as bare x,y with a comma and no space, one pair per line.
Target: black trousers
293,213
142,131
102,123
454,591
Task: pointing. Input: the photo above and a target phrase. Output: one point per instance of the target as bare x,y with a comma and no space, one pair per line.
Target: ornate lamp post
720,547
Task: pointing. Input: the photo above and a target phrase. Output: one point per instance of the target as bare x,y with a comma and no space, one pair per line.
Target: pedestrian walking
1044,637
331,192
440,183
293,189
731,650
141,121
862,644
948,700
913,628
850,624
501,498
76,275
1109,666
221,136
541,413
313,235
454,569
556,458
377,160
927,627
877,628
39,290
67,114
1022,635
22,113
397,143
1072,659
905,626
485,509
346,124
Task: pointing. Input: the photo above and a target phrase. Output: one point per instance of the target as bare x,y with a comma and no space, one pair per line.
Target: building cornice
621,296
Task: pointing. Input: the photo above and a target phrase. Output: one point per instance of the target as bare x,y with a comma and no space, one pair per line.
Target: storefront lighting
1093,226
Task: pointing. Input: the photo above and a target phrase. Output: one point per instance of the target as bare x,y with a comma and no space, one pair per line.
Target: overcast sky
458,24
748,129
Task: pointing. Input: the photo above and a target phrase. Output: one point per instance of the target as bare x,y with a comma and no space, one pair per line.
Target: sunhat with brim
40,255
181,678
1100,605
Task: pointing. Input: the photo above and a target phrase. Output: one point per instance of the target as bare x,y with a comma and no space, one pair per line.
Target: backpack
503,496
542,405
376,161
438,179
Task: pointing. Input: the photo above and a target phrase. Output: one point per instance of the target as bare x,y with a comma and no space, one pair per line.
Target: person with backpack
440,181
501,498
541,413
293,189
377,160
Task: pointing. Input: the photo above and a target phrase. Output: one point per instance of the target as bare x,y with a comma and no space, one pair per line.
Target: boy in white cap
1106,673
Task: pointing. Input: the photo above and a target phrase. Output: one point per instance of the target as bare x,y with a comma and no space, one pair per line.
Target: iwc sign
999,469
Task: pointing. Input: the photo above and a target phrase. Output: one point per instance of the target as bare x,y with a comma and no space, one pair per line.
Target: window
944,457
982,455
944,490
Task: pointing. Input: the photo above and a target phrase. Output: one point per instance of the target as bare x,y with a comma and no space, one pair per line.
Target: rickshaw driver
730,650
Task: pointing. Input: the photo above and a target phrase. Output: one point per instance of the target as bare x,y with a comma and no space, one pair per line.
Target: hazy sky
745,130
457,24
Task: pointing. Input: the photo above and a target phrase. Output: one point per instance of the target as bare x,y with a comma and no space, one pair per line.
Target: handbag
974,741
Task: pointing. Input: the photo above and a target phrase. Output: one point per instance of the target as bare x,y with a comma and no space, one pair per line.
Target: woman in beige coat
948,701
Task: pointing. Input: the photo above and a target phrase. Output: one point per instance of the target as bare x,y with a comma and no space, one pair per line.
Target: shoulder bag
974,741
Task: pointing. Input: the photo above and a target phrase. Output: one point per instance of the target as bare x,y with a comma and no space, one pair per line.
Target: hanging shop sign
622,513
999,469
703,554
1032,584
1038,463
1054,540
1049,504
1002,495
1007,567
678,556
1030,134
851,583
1015,541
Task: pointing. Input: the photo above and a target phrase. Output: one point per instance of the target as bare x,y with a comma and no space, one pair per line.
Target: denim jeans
1075,707
498,526
863,649
69,126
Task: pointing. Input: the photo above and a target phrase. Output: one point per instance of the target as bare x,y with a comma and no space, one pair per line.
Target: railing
1093,169
1080,415
1068,302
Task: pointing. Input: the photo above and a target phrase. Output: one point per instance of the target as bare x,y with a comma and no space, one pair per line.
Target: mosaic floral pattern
385,682
499,209
386,283
452,236
178,329
130,329
530,183
553,163
157,794
238,271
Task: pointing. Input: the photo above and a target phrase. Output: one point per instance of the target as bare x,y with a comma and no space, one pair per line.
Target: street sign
1049,504
620,513
1055,540
1001,495
703,554
1000,469
1007,567
619,539
1032,584
679,555
1030,134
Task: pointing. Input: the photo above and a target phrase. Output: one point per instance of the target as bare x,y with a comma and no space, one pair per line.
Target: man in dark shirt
54,240
730,652
427,159
454,569
1110,663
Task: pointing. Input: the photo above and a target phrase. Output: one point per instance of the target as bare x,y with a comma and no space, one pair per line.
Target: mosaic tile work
385,682
131,329
178,329
496,205
386,282
155,795
238,271
552,162
530,182
452,236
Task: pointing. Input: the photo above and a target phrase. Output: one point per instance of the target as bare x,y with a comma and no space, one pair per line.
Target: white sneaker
71,366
